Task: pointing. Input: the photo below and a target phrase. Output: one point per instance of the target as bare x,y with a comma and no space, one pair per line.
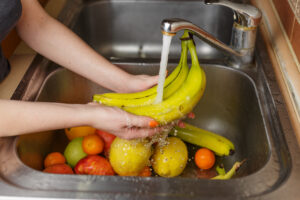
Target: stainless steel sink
243,105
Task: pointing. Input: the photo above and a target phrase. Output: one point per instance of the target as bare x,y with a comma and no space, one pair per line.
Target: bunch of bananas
194,135
183,89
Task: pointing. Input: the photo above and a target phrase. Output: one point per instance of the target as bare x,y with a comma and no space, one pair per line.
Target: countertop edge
284,63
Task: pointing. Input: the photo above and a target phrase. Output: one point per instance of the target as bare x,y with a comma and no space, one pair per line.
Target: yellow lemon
79,131
129,157
170,160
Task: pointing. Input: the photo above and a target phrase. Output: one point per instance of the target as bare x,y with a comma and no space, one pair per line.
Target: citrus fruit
79,131
170,160
129,157
74,151
92,144
94,165
59,169
54,158
146,172
205,158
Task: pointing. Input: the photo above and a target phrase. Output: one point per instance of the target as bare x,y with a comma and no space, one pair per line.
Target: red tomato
108,139
59,169
94,165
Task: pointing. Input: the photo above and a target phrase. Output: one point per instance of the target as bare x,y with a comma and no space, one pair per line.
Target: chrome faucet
246,21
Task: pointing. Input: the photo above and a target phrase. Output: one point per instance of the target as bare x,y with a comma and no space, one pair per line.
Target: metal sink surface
244,105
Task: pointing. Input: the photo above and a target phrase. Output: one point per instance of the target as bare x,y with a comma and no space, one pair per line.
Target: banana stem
230,173
220,169
185,35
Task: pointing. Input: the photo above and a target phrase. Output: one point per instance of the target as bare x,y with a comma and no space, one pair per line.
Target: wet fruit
204,158
108,138
74,151
59,169
54,158
146,172
129,157
79,131
92,144
170,160
94,165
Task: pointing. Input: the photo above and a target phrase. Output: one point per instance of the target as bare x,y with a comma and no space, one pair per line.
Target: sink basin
128,35
243,105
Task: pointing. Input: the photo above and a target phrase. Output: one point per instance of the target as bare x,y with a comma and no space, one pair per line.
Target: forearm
56,42
19,117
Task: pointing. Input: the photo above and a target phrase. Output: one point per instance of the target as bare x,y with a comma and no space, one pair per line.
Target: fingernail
153,123
191,115
181,124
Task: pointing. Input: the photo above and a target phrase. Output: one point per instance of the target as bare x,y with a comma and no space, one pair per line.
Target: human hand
137,83
121,123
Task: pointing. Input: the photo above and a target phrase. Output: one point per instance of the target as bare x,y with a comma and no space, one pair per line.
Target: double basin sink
244,105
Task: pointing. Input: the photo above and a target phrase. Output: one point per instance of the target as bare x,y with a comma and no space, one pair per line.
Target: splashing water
163,67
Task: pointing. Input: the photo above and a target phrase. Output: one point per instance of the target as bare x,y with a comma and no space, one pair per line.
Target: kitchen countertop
23,56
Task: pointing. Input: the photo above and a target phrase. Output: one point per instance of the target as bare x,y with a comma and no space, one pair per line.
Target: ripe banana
182,91
223,139
182,109
218,144
181,102
172,83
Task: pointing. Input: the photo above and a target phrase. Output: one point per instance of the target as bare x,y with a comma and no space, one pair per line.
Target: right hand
121,123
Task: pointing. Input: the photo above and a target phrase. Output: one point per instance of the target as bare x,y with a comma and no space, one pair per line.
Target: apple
94,165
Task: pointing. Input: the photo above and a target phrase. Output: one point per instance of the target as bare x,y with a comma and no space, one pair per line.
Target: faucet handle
244,14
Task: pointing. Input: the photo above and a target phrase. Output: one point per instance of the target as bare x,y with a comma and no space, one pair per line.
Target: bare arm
53,40
20,117
56,42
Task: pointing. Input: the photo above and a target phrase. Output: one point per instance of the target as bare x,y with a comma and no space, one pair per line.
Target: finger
151,81
134,133
139,121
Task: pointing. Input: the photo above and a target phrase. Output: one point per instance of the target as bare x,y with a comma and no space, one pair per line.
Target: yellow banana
181,71
176,103
219,137
183,109
203,139
150,91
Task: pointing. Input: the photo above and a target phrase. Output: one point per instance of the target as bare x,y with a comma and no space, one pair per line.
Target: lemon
170,160
74,151
79,131
129,157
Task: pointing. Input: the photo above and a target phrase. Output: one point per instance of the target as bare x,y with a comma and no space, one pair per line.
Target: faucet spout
241,48
172,26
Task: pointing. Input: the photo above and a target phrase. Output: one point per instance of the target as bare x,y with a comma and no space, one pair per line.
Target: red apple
108,138
94,165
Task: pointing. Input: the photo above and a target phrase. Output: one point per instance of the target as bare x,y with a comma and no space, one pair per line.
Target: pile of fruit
95,152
